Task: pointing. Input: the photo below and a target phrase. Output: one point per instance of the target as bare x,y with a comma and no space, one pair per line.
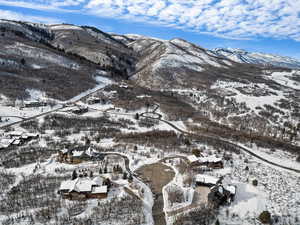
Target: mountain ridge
149,62
256,57
241,55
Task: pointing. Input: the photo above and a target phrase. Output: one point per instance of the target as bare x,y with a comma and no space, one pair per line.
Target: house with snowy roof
16,138
78,156
34,104
79,110
22,135
193,159
83,188
95,100
6,142
212,162
220,195
209,161
205,180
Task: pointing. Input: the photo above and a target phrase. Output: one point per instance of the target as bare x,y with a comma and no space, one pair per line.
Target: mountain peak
243,56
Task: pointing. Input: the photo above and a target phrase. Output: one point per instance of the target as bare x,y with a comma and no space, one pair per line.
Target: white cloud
10,15
236,19
43,5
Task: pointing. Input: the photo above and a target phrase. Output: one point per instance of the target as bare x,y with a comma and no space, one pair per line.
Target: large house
80,110
220,195
209,161
78,156
33,104
16,138
206,180
83,188
94,100
193,160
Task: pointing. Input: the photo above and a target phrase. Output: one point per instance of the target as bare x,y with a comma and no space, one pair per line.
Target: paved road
230,144
33,117
170,124
51,111
160,221
215,138
19,117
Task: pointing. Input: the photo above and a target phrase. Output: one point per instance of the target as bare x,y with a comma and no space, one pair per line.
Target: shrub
196,152
255,182
203,215
265,217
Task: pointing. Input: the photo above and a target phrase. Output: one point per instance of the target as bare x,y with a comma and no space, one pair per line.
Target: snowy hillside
224,85
242,56
60,60
164,64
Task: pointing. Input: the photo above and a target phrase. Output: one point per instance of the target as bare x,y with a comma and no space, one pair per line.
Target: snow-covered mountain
220,87
61,60
43,56
242,56
178,63
165,64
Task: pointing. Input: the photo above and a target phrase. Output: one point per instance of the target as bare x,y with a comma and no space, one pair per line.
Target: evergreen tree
74,175
23,61
107,182
130,178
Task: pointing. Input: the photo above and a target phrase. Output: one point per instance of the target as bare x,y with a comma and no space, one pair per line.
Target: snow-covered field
277,192
251,101
64,27
284,78
12,114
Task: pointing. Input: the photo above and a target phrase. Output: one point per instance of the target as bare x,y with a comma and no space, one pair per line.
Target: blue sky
271,26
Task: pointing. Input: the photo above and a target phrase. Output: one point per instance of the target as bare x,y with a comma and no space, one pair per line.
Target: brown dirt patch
157,175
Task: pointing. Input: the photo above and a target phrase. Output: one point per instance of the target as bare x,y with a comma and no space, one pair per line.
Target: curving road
168,123
51,111
230,144
242,148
